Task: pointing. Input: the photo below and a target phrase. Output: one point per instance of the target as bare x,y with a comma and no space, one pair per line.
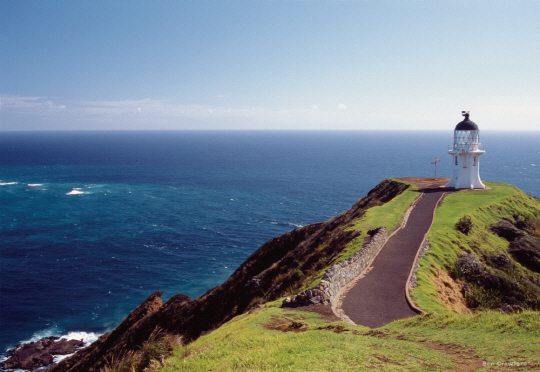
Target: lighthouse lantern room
466,151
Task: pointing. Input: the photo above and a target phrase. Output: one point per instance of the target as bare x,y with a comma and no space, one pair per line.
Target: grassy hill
274,339
479,283
501,277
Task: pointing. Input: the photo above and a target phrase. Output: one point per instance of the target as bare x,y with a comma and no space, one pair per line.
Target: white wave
35,184
86,337
75,191
8,183
54,331
294,224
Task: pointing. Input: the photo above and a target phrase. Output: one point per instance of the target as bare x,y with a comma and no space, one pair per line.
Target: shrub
464,225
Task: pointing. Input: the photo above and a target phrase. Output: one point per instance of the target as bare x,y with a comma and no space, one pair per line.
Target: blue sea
91,223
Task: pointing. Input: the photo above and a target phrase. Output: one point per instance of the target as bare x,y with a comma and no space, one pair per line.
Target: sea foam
86,337
75,191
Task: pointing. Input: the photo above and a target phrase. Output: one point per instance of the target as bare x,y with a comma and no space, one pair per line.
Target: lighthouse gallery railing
466,147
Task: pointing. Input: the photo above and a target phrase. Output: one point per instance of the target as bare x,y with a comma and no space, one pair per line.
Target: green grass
274,339
484,208
390,215
464,202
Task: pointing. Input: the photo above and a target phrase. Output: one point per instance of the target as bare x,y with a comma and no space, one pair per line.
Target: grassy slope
271,338
275,339
389,215
446,243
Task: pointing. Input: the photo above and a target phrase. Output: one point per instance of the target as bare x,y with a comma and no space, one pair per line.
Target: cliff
280,266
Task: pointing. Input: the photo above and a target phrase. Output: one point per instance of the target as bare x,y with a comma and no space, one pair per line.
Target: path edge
338,298
412,305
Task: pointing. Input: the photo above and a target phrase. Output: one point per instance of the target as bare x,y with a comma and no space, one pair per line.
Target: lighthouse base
466,169
457,183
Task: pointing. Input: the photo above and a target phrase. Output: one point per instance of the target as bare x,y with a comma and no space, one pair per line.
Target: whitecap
75,191
295,224
35,184
533,165
273,223
86,337
8,183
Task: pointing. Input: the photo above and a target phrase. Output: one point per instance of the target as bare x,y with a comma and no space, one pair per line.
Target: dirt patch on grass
449,292
285,325
324,310
380,333
426,182
336,328
464,358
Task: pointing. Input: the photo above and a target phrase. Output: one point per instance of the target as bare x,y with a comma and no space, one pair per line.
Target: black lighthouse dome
466,124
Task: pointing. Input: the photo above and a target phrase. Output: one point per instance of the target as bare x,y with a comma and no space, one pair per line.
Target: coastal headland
478,269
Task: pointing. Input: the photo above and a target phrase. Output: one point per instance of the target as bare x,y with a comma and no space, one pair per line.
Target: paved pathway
379,298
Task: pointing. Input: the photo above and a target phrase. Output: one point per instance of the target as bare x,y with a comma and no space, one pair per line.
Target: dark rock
254,283
526,251
523,247
506,294
475,272
522,225
40,353
533,304
315,300
179,297
471,268
65,347
505,229
501,261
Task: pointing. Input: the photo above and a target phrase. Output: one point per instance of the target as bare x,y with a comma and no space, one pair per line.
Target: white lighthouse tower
466,151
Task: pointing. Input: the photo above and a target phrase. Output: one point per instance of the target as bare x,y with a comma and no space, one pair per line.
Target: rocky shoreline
41,353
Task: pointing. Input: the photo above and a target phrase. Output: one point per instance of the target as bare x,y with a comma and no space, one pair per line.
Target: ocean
93,222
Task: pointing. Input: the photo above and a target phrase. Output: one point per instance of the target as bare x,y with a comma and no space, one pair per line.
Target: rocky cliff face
277,266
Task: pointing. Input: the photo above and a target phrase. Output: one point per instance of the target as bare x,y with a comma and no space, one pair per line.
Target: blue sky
260,64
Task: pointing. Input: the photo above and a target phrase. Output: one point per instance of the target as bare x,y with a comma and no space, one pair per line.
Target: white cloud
46,113
11,102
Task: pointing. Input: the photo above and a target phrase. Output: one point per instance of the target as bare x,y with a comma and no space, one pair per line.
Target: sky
269,64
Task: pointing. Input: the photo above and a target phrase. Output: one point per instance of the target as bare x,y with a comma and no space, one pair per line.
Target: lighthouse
466,151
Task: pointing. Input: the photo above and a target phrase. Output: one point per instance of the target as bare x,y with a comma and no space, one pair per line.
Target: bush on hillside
486,289
526,251
464,225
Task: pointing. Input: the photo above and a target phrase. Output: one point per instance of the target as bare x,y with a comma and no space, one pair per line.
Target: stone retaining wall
340,274
423,251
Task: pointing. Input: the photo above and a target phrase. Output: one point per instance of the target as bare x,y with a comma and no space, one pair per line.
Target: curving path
379,297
